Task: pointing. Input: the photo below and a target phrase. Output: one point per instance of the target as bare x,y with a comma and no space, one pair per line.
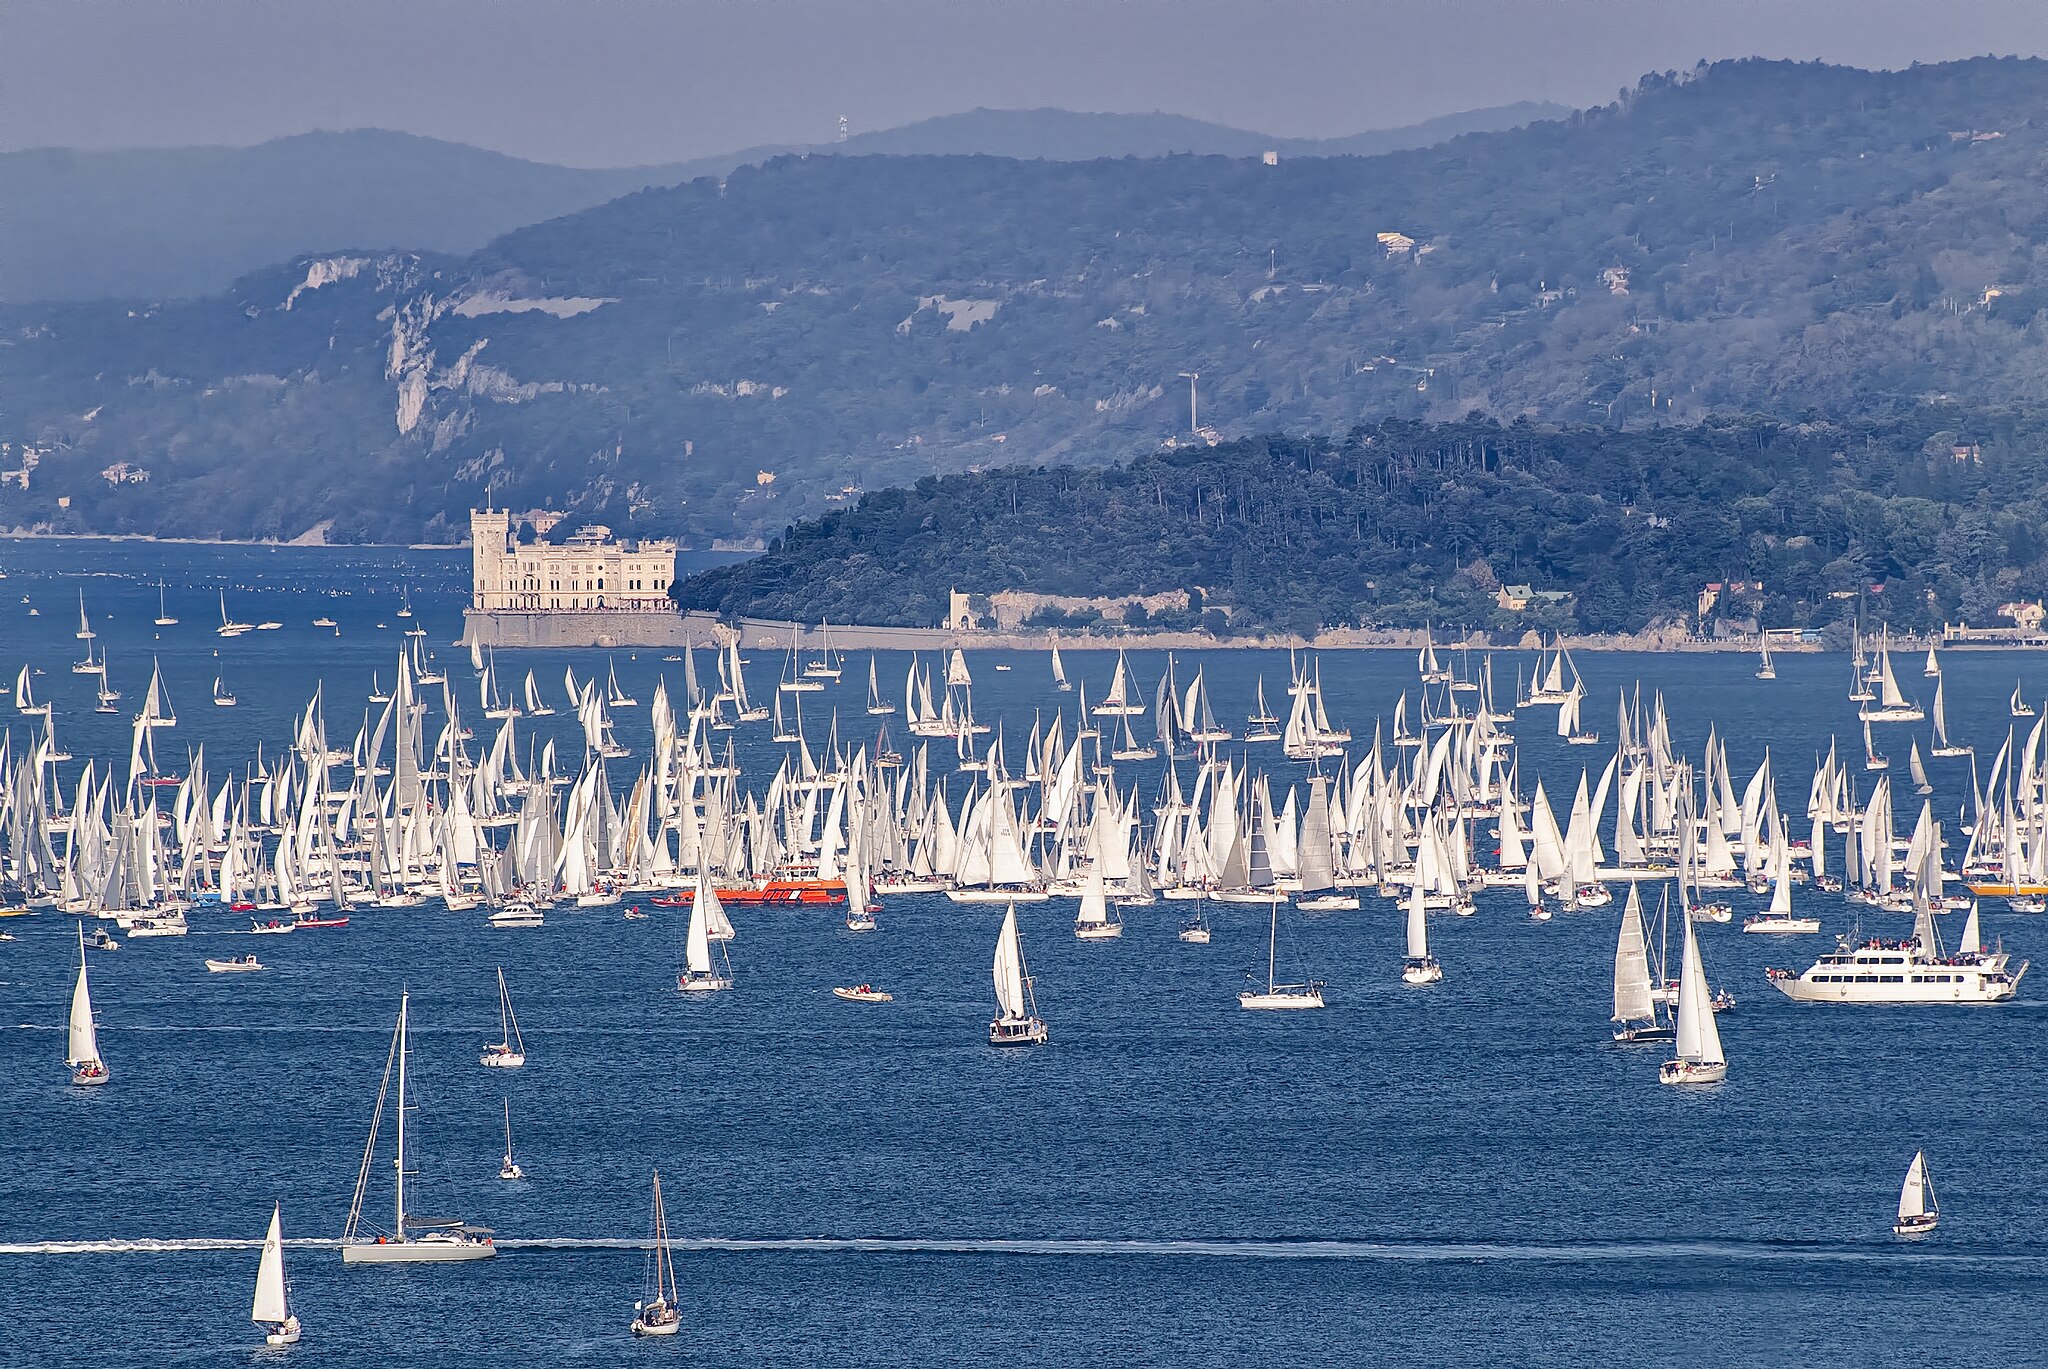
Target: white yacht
1016,1021
1277,996
1093,922
1421,967
1918,1211
271,1306
83,1053
1916,970
657,1313
702,974
412,1239
1635,1014
508,1052
508,1168
1698,1058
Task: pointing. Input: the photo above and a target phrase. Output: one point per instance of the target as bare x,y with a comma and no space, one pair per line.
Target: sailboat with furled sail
271,1306
83,1055
1277,996
657,1314
1016,1021
412,1239
1699,1059
508,1052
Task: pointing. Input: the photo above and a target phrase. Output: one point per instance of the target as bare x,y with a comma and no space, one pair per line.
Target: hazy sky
608,82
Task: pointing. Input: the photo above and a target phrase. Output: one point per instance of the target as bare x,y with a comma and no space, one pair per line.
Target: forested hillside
724,357
1403,524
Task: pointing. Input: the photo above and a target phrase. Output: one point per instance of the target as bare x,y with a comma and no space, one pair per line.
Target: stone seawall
674,630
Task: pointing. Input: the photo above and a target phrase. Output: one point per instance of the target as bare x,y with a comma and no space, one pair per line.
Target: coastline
699,629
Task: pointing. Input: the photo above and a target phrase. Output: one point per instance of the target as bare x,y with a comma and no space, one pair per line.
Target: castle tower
489,536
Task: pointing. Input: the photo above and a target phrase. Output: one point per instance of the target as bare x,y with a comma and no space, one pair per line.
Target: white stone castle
588,573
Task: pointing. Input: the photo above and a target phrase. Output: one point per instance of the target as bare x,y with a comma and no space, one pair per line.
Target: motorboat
516,917
241,964
864,993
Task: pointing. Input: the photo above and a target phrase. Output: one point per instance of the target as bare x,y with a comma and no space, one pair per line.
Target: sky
626,82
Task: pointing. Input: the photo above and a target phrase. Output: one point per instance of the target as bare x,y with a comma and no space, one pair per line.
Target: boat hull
1027,1031
417,1252
1690,1072
1280,1001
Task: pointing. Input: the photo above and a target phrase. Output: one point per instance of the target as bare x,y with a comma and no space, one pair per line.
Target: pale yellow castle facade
589,572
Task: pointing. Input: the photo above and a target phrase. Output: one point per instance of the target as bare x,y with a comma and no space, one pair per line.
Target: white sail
697,948
1915,1197
270,1302
1009,968
1699,1040
1418,920
1632,1001
85,1040
1973,937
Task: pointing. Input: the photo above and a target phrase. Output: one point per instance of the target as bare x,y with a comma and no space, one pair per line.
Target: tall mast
399,1226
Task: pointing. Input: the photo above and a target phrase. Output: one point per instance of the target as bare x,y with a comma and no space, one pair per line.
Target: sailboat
1195,931
222,696
1016,1022
1918,770
700,973
1871,759
412,1239
1766,670
83,1055
1265,724
1280,996
1779,917
509,1169
2019,707
1932,670
1059,671
1421,967
1635,1006
272,1304
657,1313
827,666
1699,1059
228,626
1942,745
163,614
1093,922
509,1051
1119,701
1891,705
878,707
1918,1211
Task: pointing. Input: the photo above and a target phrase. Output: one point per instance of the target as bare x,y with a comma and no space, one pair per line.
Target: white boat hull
1018,1031
416,1252
1280,1000
1690,1072
705,983
1098,931
502,1060
998,895
1782,926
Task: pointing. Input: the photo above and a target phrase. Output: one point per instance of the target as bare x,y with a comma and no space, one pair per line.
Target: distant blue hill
180,222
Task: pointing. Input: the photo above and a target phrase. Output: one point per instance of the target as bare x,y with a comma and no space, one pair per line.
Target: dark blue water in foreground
1466,1174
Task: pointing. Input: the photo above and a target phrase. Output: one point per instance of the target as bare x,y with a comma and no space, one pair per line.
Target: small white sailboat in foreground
1421,967
1280,996
272,1304
83,1057
1918,1211
1016,1021
700,973
509,1169
508,1052
657,1313
1699,1057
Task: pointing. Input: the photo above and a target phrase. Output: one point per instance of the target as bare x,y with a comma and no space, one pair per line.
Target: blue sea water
1466,1174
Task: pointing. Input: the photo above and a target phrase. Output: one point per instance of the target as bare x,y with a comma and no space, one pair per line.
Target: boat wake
1504,1252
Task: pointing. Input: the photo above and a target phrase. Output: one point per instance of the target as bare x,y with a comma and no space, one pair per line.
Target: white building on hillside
589,572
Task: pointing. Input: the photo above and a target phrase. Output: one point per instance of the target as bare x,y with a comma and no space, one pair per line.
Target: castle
587,573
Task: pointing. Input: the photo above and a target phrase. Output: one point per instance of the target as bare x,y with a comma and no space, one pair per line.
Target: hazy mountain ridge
726,357
178,222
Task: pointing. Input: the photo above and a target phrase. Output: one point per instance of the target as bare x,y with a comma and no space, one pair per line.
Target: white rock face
325,271
496,302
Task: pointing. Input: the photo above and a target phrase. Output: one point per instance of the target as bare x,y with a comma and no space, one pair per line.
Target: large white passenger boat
1917,970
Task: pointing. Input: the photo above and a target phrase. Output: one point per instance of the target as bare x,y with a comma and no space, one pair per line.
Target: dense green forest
1405,523
728,356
